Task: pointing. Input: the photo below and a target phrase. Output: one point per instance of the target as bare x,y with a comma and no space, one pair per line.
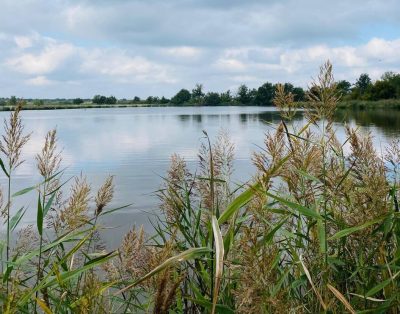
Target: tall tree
181,97
363,82
265,94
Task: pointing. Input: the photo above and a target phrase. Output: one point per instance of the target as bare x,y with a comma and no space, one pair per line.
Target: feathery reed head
322,95
48,160
13,141
284,102
104,195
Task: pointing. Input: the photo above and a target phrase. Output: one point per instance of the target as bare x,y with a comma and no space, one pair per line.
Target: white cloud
118,64
52,56
39,81
233,65
183,52
23,42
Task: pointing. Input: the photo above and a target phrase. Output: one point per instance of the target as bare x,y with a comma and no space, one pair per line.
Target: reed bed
316,230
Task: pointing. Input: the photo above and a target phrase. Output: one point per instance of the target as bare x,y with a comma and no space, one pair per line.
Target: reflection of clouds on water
135,145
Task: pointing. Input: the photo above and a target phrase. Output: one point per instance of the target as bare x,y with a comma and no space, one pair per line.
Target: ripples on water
135,144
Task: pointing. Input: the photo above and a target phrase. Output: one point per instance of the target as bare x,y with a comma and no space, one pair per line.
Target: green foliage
244,95
344,87
77,101
265,95
212,99
183,96
102,100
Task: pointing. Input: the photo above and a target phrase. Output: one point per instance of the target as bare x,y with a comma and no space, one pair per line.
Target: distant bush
78,101
101,100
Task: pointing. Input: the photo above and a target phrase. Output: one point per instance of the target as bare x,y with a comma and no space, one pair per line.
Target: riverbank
353,104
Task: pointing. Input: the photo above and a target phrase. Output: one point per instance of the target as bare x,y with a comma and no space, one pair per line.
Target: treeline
261,96
387,87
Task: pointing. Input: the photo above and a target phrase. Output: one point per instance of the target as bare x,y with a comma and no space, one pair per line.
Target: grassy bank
315,230
348,104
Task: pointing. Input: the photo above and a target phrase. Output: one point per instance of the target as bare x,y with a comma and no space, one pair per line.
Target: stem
40,248
8,222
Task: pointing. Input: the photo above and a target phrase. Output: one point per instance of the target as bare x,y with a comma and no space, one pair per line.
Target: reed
316,229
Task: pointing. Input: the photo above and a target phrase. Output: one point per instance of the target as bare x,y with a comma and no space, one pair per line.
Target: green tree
181,97
226,97
343,87
77,101
243,95
12,101
299,94
164,100
197,93
212,99
363,82
111,100
265,94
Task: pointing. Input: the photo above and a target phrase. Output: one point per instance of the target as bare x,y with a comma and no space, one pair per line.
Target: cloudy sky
61,48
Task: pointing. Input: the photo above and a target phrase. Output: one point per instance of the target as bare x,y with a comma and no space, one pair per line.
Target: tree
212,99
381,90
12,101
77,101
299,94
343,87
164,100
181,97
136,99
394,80
265,94
197,92
226,97
243,95
363,82
101,100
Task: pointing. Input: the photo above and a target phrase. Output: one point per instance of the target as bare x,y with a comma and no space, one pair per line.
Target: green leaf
39,219
238,203
380,286
24,191
297,207
17,218
348,231
74,273
4,168
48,205
270,235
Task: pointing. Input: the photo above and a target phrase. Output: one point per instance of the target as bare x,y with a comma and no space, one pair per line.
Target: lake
135,145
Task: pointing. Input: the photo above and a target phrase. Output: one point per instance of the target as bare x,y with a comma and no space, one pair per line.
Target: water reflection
135,145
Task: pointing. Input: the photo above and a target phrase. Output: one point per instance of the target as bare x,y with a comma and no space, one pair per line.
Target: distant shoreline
352,104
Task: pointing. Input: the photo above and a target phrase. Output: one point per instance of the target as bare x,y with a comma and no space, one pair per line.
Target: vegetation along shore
315,230
362,94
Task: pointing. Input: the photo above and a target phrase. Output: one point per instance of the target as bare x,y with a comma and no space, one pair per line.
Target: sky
68,49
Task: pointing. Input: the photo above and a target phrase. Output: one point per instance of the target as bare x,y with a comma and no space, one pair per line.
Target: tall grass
316,229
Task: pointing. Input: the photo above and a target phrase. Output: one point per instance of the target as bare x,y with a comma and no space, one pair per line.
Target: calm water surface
135,145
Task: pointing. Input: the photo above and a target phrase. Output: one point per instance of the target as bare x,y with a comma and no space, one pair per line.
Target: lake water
135,145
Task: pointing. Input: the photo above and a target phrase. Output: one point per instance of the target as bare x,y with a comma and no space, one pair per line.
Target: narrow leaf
219,258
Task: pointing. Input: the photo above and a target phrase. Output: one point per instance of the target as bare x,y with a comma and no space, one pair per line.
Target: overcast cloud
60,48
